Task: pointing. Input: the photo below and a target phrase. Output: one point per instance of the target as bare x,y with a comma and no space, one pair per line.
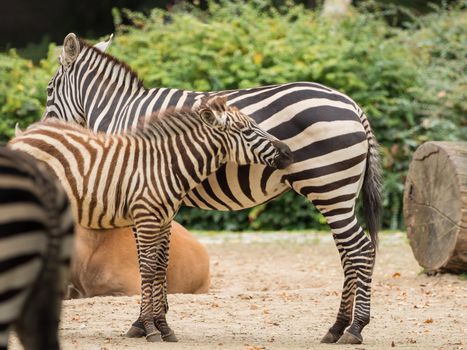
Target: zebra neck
107,87
191,148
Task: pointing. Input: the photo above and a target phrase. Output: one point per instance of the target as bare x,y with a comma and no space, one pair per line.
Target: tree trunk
435,206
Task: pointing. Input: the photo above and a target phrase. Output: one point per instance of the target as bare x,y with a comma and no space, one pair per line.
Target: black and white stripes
36,229
140,178
335,152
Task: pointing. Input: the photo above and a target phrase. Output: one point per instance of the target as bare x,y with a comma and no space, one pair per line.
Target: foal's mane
109,59
170,113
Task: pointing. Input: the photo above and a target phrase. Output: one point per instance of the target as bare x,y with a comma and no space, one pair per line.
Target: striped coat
36,229
334,149
140,178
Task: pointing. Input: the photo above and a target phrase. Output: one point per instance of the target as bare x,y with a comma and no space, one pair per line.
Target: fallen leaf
428,320
396,275
254,347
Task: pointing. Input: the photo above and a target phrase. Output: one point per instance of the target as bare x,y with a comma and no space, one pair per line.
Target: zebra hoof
135,332
154,337
349,338
329,338
170,338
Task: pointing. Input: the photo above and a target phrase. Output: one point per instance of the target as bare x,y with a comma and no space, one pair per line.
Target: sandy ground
275,293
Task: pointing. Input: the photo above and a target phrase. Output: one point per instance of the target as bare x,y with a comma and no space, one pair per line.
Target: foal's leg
159,296
357,254
137,329
147,230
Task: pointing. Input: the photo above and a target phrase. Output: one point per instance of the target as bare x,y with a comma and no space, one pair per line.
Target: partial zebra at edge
36,237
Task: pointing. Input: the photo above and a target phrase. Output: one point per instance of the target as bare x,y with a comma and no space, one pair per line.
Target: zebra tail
372,189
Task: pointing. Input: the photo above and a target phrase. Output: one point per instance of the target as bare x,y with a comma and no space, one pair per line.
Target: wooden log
435,206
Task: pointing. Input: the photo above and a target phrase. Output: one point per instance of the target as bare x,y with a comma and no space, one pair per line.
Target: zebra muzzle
284,155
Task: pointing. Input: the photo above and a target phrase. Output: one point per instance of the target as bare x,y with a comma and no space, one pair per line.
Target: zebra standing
335,154
140,178
36,229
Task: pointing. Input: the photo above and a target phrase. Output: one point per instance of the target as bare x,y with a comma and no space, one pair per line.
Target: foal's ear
103,45
18,131
70,50
217,103
214,111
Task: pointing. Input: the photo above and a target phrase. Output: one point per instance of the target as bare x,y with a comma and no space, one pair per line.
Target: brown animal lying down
106,263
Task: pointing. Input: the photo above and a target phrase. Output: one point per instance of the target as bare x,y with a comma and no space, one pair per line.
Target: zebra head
63,95
244,141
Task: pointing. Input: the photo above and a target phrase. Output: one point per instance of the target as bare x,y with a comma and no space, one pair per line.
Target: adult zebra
335,154
36,230
139,178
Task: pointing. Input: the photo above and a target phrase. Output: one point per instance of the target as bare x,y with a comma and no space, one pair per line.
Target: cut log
435,206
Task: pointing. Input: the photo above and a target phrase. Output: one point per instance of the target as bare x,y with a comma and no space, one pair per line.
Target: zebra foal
140,178
36,230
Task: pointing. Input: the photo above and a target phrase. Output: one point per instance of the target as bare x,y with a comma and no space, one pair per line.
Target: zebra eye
208,117
49,91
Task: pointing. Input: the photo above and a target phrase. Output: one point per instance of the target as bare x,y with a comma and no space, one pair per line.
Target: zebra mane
113,60
145,126
217,103
157,118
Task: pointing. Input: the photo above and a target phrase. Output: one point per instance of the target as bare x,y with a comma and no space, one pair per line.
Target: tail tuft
372,190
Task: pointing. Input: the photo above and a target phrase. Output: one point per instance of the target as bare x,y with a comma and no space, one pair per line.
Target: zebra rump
36,230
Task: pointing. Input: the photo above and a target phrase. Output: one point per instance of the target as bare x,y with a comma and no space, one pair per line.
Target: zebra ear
213,111
217,103
103,45
70,51
18,131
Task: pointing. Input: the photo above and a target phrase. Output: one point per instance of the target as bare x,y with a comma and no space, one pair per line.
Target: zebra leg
363,260
357,254
159,297
137,328
146,238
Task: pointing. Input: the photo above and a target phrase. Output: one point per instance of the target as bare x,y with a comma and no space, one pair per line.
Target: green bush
411,82
22,93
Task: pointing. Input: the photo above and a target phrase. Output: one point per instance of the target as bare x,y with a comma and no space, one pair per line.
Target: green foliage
411,82
22,91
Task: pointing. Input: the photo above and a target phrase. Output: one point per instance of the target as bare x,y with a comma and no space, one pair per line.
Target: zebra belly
236,187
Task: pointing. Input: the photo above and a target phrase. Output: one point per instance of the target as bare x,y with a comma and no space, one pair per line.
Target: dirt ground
272,292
